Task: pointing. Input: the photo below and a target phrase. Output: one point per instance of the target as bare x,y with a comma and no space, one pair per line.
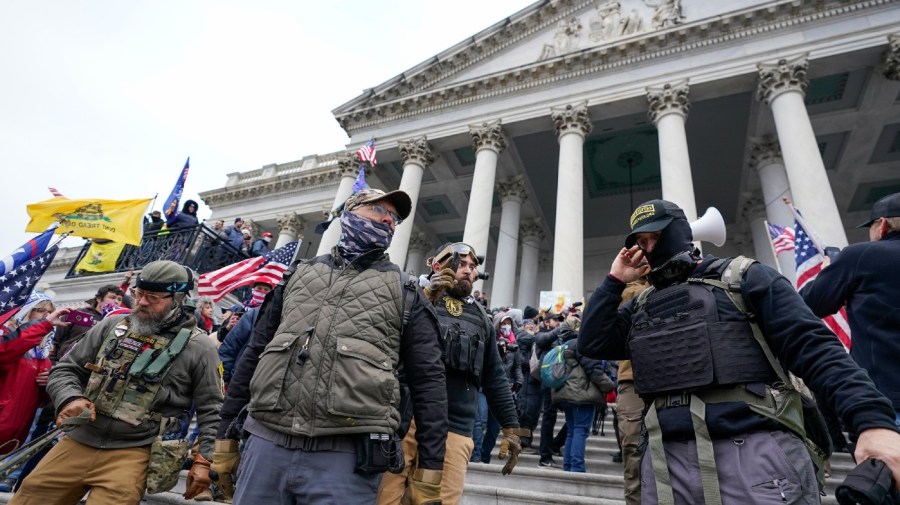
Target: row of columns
788,167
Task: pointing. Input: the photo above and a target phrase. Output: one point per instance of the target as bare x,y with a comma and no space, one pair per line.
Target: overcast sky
106,99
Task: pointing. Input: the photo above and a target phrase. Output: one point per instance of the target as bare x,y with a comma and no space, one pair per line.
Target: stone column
669,108
512,193
765,158
418,249
891,67
572,124
783,85
290,228
348,169
753,211
532,234
416,155
489,143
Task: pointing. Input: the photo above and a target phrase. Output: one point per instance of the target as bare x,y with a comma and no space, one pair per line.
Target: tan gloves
510,445
74,409
198,478
440,281
425,487
224,466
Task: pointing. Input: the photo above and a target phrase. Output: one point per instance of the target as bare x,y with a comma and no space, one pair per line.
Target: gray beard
145,326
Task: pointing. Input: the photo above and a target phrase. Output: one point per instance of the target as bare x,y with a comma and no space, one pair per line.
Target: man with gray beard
125,379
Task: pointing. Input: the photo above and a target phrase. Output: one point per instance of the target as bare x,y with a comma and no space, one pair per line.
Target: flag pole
772,247
809,231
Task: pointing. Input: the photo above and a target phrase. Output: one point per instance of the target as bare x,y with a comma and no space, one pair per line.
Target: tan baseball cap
399,198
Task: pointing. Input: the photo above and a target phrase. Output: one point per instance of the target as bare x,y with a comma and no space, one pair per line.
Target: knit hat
530,312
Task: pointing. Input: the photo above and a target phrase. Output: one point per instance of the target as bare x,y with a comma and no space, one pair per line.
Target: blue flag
170,208
360,183
28,251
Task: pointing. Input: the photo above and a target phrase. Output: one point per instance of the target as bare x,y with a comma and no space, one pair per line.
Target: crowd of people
351,382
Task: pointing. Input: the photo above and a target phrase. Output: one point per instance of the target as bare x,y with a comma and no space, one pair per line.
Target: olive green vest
348,321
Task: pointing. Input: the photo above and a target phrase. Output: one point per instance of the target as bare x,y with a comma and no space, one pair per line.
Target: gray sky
106,99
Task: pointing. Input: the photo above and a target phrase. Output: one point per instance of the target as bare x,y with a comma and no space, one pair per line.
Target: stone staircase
530,484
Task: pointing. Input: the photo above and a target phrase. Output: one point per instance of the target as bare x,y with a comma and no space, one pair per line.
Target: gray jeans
272,475
755,469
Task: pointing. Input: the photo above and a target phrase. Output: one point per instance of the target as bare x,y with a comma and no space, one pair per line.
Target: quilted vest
348,322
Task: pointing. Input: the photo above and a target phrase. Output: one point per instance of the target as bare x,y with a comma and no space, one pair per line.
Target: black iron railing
197,247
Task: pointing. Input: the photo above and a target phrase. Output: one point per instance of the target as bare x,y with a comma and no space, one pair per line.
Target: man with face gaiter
319,375
711,343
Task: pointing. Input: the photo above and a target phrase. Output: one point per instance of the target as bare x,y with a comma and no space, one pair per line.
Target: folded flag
268,268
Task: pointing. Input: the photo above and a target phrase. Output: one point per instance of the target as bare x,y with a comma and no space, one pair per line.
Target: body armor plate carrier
463,338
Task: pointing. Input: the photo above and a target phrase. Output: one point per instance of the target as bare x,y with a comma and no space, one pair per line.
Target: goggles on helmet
460,248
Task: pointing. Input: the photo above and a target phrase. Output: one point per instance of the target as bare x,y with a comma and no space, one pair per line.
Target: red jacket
20,396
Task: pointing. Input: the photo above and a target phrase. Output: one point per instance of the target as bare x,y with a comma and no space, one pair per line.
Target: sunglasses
381,211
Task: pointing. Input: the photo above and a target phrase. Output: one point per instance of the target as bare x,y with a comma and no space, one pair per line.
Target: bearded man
125,379
473,363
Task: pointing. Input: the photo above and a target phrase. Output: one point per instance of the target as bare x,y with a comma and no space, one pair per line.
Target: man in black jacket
324,398
472,361
865,278
722,425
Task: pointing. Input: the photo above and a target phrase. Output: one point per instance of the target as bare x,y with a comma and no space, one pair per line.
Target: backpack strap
408,286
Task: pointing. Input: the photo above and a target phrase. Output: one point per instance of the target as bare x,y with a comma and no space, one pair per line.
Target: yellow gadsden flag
101,257
116,220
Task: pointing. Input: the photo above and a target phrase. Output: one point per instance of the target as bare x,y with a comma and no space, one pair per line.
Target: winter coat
587,383
20,396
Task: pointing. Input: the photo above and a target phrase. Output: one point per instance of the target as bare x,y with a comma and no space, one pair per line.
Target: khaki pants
456,460
629,407
114,476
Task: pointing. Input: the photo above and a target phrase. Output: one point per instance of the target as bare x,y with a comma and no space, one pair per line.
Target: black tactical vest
463,337
680,343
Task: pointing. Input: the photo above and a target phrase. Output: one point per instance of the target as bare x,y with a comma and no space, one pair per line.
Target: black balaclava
674,255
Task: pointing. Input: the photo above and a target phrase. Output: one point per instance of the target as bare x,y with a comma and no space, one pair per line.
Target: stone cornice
671,98
891,67
572,119
786,75
380,109
488,136
258,187
416,151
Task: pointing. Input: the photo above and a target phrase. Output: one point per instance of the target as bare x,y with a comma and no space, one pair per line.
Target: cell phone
81,318
832,253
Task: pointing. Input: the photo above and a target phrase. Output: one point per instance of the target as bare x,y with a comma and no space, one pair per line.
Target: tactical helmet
165,276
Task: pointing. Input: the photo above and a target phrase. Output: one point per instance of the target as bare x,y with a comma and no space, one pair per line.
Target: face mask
673,240
677,269
506,329
360,235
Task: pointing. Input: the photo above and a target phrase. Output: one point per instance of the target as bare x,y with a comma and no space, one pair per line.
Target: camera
832,253
484,276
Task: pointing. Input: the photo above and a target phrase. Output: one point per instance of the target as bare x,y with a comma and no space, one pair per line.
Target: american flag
269,267
367,152
55,192
809,264
17,284
28,251
782,238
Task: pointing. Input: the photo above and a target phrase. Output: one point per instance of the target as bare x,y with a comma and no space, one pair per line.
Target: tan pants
456,460
114,476
629,407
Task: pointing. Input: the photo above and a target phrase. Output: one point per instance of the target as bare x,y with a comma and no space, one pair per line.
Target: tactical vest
329,368
679,343
464,336
128,372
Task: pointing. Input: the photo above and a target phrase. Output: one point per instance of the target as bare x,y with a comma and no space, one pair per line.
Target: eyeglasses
381,211
41,311
138,293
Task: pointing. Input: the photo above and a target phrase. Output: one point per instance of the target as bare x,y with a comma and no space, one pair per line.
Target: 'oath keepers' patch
131,344
641,213
454,306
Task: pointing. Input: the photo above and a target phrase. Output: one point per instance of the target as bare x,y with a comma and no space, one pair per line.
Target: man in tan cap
324,400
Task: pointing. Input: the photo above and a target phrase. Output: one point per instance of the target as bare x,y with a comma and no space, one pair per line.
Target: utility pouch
378,453
671,355
166,460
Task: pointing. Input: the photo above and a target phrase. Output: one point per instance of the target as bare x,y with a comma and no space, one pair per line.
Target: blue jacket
865,278
233,346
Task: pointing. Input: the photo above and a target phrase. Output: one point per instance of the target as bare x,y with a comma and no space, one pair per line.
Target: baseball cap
234,308
652,216
888,206
399,198
267,235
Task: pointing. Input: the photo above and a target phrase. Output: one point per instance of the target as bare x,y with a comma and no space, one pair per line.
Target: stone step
475,494
547,480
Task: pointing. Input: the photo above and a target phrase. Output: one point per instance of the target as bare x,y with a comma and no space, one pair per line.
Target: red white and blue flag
28,251
268,268
782,238
809,264
17,284
367,152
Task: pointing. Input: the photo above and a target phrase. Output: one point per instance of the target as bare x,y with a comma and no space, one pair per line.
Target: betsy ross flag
782,238
267,268
170,207
17,284
809,264
367,152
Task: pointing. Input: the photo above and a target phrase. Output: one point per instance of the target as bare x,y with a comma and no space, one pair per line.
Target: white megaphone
710,227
